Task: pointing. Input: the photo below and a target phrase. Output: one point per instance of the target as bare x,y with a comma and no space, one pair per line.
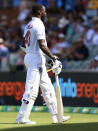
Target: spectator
3,56
58,25
76,25
94,64
10,40
87,28
70,5
24,11
53,9
92,34
83,15
79,5
78,51
54,25
51,39
71,30
79,27
3,48
20,61
60,46
2,32
63,21
95,35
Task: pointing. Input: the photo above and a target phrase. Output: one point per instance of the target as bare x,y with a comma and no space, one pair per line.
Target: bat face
59,101
59,104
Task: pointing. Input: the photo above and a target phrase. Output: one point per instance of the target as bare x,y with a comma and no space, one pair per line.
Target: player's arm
45,49
22,46
40,35
23,42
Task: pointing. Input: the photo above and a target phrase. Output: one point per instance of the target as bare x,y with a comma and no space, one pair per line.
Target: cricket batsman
36,49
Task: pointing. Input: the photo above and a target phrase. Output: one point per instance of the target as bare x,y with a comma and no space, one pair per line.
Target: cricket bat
59,101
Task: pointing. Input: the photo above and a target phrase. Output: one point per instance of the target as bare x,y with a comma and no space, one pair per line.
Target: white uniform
36,71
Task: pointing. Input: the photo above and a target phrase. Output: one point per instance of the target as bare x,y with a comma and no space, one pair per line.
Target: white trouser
34,79
48,92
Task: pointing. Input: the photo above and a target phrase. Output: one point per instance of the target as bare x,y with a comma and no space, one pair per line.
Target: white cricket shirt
33,32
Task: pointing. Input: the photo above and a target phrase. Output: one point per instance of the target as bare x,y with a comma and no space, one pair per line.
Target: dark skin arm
22,45
23,42
45,49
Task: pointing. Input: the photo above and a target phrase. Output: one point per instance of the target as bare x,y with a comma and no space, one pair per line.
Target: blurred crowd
69,31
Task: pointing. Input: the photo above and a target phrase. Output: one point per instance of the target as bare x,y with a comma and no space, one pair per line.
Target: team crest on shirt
29,26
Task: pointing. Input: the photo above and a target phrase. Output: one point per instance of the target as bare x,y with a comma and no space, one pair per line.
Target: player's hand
51,61
57,67
55,58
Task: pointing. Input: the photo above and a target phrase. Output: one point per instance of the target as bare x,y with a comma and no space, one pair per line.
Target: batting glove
57,67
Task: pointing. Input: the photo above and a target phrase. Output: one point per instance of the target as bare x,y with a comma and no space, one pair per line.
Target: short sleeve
40,32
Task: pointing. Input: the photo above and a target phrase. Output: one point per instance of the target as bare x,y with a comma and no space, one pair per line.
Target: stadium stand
61,22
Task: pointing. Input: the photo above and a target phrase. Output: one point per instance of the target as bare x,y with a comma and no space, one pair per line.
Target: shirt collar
36,18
